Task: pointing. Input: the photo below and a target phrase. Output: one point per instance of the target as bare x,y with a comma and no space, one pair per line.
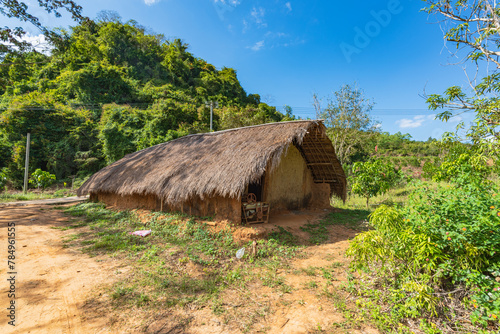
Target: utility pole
211,113
26,163
211,104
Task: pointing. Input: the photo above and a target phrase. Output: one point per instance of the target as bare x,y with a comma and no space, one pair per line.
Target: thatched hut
290,165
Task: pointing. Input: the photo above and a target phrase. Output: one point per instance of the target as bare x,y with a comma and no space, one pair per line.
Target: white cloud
280,39
38,42
259,45
278,34
288,5
223,7
233,3
258,16
455,119
416,122
151,2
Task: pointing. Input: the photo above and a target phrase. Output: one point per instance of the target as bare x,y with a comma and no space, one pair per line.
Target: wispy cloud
455,119
288,5
415,122
258,16
280,39
233,3
223,6
38,42
259,45
151,2
278,34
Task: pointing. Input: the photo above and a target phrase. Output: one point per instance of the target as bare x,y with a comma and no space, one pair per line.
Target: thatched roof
219,163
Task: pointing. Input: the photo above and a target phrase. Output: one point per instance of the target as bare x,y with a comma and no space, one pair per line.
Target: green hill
107,89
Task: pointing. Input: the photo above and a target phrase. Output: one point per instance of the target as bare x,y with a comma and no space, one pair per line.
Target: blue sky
287,50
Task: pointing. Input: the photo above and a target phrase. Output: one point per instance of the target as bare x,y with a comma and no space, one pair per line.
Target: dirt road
51,281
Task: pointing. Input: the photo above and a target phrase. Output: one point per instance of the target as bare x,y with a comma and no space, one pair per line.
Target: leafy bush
42,179
373,177
414,161
462,164
429,170
444,243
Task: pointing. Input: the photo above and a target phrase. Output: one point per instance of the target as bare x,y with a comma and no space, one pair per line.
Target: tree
11,38
372,178
346,115
53,135
473,27
288,113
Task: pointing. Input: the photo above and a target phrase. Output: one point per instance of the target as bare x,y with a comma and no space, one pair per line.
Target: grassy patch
309,271
354,219
31,196
284,237
395,196
75,224
183,263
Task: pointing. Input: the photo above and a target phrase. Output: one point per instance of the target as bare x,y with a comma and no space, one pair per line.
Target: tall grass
395,196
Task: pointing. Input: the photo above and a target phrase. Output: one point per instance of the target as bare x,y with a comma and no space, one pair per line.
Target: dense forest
107,89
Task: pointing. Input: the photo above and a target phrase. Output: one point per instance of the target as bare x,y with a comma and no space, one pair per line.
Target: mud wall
129,202
290,185
221,208
320,196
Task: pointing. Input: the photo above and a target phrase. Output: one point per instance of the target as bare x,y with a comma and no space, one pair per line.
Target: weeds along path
316,300
314,281
52,282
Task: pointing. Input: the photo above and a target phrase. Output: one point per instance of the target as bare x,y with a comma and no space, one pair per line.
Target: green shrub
414,161
429,170
373,177
42,179
445,239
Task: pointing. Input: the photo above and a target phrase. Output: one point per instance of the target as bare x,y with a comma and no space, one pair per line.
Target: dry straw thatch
220,163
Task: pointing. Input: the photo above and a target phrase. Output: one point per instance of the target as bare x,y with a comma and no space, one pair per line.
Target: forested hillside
107,89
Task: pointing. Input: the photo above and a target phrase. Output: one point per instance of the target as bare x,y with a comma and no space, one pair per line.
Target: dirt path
51,281
48,201
306,309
